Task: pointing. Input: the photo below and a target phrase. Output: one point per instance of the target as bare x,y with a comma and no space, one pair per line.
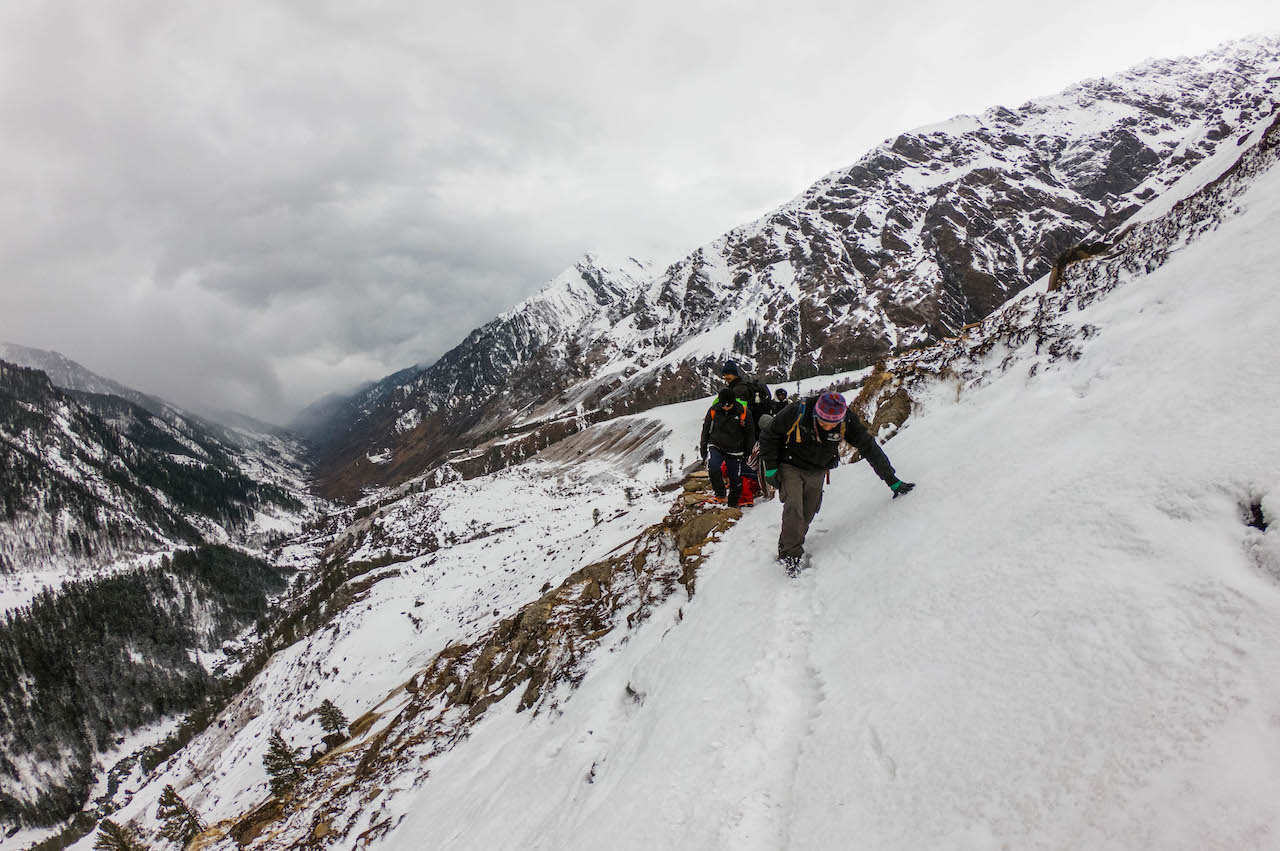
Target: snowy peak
591,285
925,234
576,307
398,428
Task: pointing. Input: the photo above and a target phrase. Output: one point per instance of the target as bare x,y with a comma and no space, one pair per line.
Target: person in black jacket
736,381
799,447
728,436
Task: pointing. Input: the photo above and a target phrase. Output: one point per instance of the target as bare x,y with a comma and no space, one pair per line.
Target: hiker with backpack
798,450
756,397
746,388
728,435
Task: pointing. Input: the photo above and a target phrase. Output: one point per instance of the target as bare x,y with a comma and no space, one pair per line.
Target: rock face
928,232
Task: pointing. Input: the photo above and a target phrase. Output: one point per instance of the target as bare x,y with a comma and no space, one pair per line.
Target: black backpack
759,402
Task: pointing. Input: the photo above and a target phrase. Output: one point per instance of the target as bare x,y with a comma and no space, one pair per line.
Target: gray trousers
801,493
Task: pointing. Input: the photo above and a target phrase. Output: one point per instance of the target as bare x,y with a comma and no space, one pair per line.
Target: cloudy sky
246,205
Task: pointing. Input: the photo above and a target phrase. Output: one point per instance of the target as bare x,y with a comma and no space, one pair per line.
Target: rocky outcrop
536,657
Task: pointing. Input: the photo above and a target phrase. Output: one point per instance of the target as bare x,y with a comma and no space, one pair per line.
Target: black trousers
734,466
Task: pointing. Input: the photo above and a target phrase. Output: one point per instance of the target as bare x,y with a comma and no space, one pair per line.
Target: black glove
900,487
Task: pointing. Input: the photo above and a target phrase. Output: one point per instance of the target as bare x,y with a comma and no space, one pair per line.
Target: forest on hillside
94,477
97,659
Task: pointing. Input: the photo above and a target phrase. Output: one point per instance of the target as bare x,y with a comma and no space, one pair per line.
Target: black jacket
813,448
734,432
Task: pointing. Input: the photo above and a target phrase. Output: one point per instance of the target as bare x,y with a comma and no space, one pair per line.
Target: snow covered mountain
93,477
66,374
1065,637
235,432
116,595
928,232
399,427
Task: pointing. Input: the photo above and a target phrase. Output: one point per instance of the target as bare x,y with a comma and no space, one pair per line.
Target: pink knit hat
830,408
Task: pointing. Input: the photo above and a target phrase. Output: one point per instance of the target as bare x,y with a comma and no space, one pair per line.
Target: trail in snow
783,695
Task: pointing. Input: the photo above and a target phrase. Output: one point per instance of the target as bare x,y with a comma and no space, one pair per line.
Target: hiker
779,400
799,448
746,388
756,397
728,435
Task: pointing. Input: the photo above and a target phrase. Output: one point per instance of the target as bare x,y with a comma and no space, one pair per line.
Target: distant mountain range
96,471
926,233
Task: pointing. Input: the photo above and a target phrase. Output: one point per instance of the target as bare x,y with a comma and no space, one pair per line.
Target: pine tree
282,764
331,717
114,837
181,823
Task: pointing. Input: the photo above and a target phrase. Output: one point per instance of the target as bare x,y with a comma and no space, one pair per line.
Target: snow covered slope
433,570
109,625
264,452
1067,637
926,233
96,473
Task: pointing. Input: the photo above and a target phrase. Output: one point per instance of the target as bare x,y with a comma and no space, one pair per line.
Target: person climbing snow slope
798,449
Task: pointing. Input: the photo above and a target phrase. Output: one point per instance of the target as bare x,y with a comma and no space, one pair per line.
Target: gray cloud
249,204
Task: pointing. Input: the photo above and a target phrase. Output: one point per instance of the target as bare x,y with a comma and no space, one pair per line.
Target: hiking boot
792,565
746,502
717,498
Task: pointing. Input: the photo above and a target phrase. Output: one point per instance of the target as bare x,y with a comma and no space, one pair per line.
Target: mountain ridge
1093,669
97,472
927,232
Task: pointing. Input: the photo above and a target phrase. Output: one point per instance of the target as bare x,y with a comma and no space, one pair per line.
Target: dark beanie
726,397
730,368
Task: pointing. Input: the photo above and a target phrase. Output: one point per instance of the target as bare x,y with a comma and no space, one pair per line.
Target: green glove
769,474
